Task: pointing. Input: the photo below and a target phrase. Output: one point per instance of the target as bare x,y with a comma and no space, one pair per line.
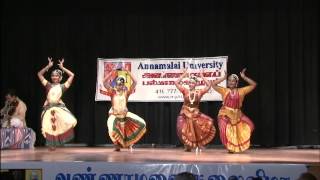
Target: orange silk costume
235,127
194,128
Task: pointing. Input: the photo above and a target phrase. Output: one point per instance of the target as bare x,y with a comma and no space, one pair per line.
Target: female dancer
235,127
57,121
124,127
194,128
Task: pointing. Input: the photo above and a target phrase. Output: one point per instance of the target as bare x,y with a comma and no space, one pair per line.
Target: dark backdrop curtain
278,41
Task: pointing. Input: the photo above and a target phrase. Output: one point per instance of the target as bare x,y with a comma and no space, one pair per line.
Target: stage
161,163
162,155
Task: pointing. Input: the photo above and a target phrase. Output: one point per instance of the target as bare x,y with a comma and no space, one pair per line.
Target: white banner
156,171
156,77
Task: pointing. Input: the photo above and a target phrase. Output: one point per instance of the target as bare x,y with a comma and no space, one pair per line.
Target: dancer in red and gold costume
235,127
57,121
194,128
124,127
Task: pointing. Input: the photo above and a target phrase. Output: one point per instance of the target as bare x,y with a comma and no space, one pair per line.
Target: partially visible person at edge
235,127
185,176
13,114
14,131
57,121
124,127
194,128
307,176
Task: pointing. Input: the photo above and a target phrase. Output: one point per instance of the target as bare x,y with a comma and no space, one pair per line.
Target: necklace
120,92
233,92
193,98
120,100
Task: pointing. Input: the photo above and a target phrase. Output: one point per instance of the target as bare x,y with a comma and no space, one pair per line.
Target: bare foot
52,148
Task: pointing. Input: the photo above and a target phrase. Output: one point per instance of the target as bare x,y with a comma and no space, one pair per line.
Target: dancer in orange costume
194,128
235,127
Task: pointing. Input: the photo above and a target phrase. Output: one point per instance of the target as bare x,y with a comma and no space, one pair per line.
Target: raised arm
68,72
208,85
217,81
177,82
43,70
106,83
247,79
134,82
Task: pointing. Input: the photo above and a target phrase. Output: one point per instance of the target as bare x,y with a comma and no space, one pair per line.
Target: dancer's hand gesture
242,73
50,62
61,63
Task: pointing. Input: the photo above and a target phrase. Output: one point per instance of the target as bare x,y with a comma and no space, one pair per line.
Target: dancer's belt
233,114
50,105
119,114
232,109
190,112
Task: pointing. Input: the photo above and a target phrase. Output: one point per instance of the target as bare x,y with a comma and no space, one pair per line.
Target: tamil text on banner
156,77
154,171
